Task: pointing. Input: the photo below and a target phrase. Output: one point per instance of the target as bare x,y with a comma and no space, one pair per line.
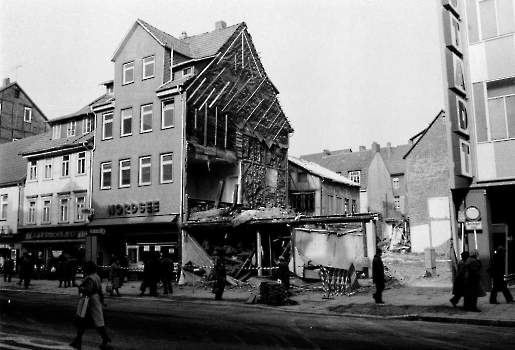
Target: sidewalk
427,303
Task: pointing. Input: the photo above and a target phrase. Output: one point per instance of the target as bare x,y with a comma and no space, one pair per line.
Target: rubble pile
272,293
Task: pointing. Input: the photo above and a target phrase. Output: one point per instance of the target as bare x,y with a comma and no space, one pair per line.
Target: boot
76,344
105,337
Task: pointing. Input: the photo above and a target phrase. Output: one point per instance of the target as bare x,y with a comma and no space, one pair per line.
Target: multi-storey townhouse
19,116
57,189
194,124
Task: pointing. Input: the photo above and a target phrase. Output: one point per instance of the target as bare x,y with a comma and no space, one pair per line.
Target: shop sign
149,207
473,225
97,231
56,234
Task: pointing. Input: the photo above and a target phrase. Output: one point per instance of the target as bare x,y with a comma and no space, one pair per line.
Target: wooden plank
219,193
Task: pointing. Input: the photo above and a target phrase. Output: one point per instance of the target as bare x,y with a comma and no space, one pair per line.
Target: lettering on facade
56,234
149,207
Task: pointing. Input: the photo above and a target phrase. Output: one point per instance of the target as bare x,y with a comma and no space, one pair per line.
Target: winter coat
377,270
473,277
458,286
92,287
115,275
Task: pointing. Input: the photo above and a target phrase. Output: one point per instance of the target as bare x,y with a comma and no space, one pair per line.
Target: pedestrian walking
73,267
8,269
458,286
378,276
474,290
115,276
219,274
166,273
91,287
496,271
60,269
151,275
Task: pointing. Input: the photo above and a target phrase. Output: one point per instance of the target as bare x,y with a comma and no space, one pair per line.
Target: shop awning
139,220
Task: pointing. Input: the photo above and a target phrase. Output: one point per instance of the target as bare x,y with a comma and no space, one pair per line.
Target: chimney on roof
389,149
220,25
184,35
327,152
362,148
7,81
347,150
375,147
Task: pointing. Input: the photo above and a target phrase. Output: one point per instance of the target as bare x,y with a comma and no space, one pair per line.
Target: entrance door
501,237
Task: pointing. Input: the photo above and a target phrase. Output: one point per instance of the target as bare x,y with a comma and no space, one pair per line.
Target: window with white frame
105,175
465,158
27,114
107,126
166,173
355,176
80,203
395,182
72,128
81,163
47,210
126,122
501,108
346,208
32,212
87,125
397,202
125,173
56,131
4,205
168,114
0,107
187,71
33,170
65,165
148,67
146,118
64,209
145,171
128,73
48,169
354,206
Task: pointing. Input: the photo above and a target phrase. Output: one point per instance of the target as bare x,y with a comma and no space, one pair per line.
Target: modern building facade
19,116
478,51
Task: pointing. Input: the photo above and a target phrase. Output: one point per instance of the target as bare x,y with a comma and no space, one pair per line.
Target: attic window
187,71
27,114
148,67
355,176
128,73
303,177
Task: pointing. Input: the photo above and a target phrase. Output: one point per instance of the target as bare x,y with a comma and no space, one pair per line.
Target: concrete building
19,116
478,52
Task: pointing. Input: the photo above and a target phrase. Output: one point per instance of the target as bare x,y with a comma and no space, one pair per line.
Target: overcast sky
349,72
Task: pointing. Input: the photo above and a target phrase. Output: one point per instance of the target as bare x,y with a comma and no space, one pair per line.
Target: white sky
349,72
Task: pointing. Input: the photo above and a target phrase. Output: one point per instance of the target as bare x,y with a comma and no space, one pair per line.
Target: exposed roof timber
200,74
255,108
236,94
252,54
275,119
219,94
198,87
264,114
252,95
225,53
209,85
212,92
280,129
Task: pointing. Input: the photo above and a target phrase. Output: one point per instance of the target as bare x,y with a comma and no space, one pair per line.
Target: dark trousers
470,302
500,285
456,298
7,276
167,285
378,295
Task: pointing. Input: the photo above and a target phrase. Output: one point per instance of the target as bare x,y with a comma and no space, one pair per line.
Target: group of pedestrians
467,283
66,269
157,269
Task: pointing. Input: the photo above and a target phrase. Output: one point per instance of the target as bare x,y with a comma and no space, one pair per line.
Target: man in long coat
459,287
497,268
473,282
378,276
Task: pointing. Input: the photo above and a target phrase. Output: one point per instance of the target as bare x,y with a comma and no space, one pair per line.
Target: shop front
10,246
46,245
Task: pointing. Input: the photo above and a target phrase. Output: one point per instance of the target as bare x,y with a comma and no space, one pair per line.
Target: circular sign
472,213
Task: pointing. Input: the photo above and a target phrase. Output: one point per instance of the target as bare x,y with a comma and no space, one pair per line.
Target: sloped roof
344,161
5,87
10,155
174,83
416,139
197,46
84,110
395,162
46,144
320,171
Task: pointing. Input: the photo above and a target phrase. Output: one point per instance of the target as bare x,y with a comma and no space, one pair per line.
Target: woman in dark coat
92,288
458,287
115,276
219,274
473,282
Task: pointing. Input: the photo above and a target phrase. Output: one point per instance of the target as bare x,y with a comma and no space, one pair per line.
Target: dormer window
72,126
110,89
187,71
87,125
56,131
128,73
355,176
148,67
